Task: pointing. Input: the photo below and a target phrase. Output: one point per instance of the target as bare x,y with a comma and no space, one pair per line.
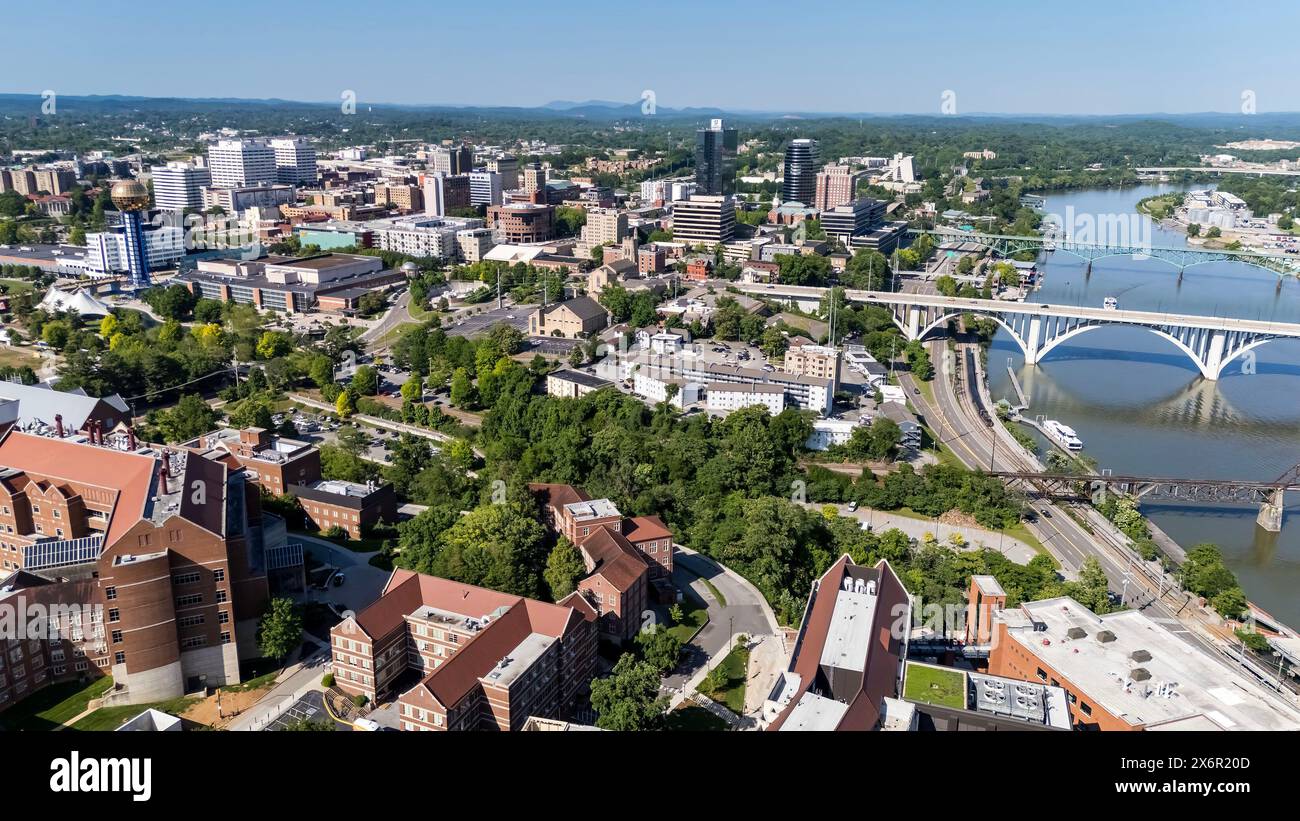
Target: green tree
462,389
365,381
191,417
628,699
660,647
272,344
564,567
280,631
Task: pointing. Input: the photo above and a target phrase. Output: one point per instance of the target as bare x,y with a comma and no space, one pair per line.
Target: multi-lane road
955,421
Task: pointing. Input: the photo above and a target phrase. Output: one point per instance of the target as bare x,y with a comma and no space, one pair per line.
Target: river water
1141,406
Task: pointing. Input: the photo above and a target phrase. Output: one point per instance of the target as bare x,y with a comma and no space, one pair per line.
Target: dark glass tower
802,161
715,159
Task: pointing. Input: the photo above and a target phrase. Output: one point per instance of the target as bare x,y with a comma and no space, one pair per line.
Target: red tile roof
557,495
641,528
128,475
407,591
614,557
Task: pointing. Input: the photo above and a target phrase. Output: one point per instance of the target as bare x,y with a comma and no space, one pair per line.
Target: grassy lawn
694,616
256,673
17,358
17,286
49,708
732,694
1019,531
110,718
692,718
935,685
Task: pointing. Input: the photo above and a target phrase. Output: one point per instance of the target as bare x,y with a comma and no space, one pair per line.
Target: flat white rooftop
517,661
816,714
988,585
1136,669
595,509
849,636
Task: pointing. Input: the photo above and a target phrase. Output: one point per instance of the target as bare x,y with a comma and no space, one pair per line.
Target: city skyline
943,69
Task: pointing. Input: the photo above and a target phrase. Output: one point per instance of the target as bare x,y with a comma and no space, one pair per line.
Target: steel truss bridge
1005,245
1270,496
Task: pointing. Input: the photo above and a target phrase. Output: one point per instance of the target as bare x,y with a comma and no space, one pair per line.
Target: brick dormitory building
459,657
291,467
153,565
627,559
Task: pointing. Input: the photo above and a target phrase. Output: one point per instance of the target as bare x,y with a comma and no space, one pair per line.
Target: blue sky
1100,57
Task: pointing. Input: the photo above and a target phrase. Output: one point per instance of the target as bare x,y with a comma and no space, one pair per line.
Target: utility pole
498,288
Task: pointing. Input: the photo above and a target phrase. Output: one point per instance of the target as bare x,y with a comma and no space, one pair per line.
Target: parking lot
516,315
552,345
310,707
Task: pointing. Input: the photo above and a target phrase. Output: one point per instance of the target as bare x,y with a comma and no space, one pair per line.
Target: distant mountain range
612,110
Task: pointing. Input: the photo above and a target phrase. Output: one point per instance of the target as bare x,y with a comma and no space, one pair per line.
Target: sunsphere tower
132,200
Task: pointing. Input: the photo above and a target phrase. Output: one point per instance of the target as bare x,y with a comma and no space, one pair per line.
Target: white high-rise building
485,188
295,161
106,251
240,163
178,185
435,194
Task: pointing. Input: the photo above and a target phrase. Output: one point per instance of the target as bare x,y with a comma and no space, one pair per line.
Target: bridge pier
1087,272
1180,275
1214,356
1032,341
1270,512
913,323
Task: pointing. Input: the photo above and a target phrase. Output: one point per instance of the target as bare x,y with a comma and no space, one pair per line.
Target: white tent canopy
57,301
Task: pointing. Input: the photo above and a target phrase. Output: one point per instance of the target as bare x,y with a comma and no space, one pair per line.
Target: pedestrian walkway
976,537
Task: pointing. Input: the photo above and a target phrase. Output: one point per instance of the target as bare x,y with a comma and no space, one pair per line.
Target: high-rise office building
802,159
239,163
295,161
534,178
851,219
442,193
453,160
179,185
485,188
835,184
508,167
715,159
703,219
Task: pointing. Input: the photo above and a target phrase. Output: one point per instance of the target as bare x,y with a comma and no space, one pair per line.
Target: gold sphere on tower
130,195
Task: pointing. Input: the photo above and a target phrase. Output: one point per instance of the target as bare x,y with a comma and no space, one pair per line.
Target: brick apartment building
291,467
274,462
159,562
803,358
480,659
627,559
349,505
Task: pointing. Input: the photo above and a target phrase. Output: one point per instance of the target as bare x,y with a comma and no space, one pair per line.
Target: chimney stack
130,439
58,424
